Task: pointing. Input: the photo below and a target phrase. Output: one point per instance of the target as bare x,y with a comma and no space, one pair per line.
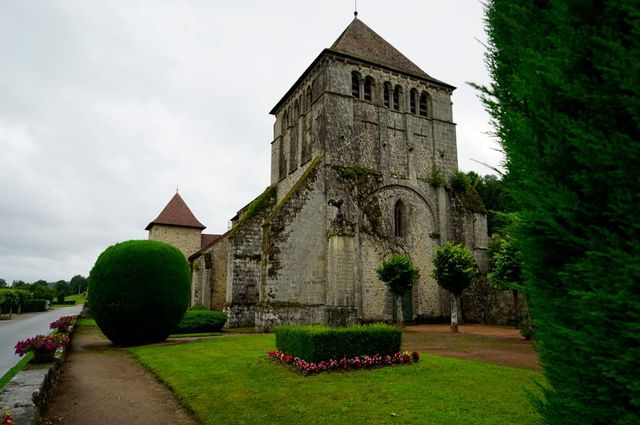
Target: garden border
28,394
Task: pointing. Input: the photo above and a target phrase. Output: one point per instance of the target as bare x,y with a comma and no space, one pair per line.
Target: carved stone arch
418,192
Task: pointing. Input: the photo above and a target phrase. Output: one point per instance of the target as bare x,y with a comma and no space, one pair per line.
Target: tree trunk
394,307
454,312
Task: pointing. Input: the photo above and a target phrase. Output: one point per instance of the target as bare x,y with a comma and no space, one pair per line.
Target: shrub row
66,302
316,343
34,306
195,321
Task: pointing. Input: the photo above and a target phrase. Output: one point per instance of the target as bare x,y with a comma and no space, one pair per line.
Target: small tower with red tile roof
176,225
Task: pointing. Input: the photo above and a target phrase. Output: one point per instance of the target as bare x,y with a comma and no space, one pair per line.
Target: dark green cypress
565,99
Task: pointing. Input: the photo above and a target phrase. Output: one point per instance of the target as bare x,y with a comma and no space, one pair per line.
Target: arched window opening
308,104
423,104
399,213
284,123
368,88
397,92
387,94
355,85
296,110
412,100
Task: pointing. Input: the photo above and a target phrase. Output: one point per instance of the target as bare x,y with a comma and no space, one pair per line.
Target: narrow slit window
399,219
423,104
387,94
355,85
368,88
397,92
412,101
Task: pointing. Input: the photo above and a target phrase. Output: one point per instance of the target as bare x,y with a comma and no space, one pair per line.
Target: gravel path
101,384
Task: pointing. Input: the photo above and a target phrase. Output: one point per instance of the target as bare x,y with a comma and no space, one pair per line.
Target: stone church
364,144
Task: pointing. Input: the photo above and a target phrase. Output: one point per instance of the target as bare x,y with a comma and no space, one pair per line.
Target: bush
198,307
315,343
65,302
565,101
35,305
139,291
195,321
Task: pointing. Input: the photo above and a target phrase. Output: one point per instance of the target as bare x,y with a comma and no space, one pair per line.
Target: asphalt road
25,326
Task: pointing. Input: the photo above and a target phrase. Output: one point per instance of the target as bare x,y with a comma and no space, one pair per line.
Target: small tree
506,274
454,270
399,274
61,288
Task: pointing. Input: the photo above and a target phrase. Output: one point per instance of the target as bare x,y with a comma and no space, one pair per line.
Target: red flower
43,342
376,360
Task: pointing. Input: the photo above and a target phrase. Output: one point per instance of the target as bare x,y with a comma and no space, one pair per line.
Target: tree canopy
565,99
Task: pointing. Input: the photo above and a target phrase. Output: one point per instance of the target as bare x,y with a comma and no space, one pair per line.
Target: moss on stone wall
282,214
261,204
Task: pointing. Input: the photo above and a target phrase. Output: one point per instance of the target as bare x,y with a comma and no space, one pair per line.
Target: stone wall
270,315
186,239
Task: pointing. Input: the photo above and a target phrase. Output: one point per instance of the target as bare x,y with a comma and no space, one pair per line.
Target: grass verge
231,380
14,370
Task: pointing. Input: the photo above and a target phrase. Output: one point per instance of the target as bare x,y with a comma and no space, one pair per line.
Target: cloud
107,107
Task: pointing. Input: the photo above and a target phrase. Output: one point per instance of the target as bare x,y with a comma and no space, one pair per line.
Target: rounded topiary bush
139,291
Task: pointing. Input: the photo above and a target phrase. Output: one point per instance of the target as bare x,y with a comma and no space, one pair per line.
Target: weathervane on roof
355,11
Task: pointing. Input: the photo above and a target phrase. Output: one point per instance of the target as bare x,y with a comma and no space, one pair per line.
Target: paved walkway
27,325
101,384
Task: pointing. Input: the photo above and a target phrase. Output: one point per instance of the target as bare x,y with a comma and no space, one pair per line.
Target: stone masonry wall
186,239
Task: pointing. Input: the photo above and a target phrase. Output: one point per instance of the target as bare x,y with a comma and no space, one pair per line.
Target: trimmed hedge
66,302
316,343
32,306
139,291
196,321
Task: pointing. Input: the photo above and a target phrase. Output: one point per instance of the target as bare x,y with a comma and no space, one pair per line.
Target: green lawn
78,298
14,370
230,380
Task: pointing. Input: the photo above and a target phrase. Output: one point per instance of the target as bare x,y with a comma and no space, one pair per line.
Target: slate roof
177,213
360,41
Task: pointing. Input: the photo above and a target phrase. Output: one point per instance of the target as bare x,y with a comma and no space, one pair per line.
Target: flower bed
345,364
41,342
63,324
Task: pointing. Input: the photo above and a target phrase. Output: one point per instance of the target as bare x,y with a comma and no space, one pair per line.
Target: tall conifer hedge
566,104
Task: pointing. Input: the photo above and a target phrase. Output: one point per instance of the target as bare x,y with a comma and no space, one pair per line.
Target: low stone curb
28,394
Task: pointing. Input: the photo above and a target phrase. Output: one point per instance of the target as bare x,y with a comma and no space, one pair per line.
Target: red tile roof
177,213
206,239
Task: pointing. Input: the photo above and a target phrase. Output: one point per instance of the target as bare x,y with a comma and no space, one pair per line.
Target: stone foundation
240,316
270,315
341,316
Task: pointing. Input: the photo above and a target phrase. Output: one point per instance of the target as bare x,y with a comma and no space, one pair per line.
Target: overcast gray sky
107,106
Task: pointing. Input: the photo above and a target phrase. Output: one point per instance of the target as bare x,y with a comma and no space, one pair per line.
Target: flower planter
44,356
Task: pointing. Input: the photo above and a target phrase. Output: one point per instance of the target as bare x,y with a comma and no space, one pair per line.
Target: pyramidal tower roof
360,41
177,213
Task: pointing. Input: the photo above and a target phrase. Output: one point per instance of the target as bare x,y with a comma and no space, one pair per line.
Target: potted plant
43,346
